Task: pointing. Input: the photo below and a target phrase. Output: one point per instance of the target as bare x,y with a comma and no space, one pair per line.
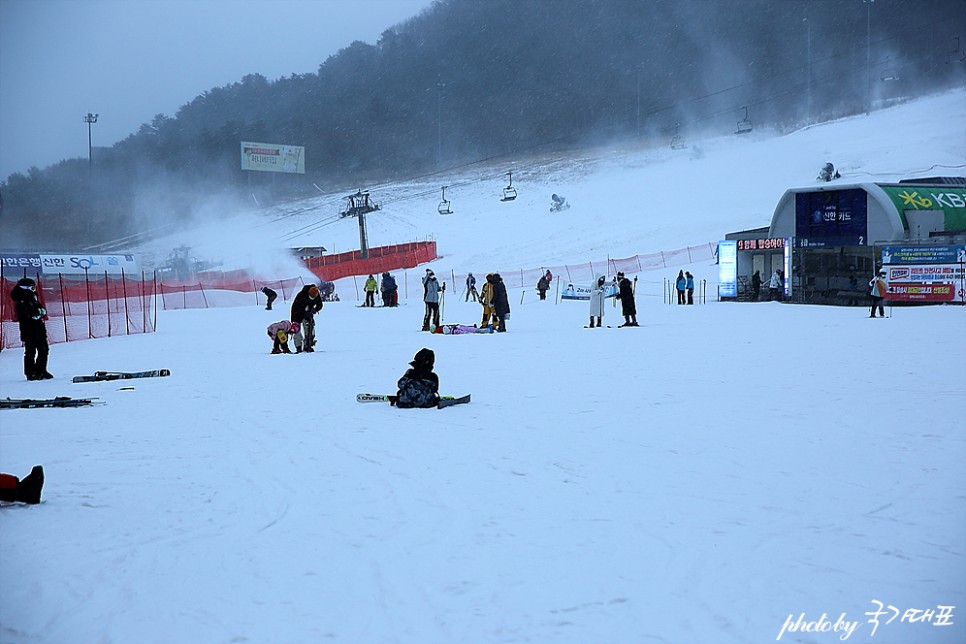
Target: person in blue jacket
689,278
681,284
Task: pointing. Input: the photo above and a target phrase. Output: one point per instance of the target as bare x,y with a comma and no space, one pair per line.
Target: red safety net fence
88,306
84,307
381,259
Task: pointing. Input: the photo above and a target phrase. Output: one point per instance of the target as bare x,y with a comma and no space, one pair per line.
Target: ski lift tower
359,205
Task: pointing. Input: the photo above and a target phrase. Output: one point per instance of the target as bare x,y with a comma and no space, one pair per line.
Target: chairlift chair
509,193
677,141
744,125
444,205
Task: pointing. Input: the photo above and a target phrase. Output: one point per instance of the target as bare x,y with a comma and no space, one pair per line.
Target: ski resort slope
706,478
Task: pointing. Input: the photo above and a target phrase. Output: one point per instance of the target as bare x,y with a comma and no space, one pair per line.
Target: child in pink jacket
278,332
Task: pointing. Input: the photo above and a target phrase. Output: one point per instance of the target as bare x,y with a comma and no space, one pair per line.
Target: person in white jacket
597,294
776,286
877,291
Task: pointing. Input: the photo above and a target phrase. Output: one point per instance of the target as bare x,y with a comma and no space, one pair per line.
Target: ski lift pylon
358,204
444,205
744,125
509,193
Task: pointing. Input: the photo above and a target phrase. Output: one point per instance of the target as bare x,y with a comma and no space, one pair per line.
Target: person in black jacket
304,307
33,333
501,304
628,307
419,386
271,295
25,490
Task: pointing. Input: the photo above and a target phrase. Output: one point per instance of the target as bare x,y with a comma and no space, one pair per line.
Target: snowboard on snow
100,376
444,401
35,403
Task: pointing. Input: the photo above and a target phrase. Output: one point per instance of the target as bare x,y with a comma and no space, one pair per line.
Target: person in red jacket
26,490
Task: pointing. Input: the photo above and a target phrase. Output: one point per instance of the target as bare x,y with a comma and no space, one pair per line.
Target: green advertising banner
951,200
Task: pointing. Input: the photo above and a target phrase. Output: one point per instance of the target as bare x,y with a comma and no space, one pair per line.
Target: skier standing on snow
690,286
304,307
501,303
628,307
471,288
389,294
431,291
597,298
370,288
419,386
543,285
681,283
33,333
877,291
486,299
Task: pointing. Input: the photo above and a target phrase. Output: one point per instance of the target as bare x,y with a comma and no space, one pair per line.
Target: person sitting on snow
419,386
559,202
828,173
26,490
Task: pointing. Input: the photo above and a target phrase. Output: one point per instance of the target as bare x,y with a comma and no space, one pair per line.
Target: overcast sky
128,60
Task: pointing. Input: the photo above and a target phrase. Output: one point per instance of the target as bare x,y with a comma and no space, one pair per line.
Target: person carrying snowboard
628,308
33,332
304,307
597,297
419,386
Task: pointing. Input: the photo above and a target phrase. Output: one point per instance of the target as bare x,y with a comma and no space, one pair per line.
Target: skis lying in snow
122,375
33,403
444,401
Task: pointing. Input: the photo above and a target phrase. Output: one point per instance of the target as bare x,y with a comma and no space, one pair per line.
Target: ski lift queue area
829,241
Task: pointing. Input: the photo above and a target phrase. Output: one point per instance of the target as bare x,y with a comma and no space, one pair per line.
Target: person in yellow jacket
371,287
486,299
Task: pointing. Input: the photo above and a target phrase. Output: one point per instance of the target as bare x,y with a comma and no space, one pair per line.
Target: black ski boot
30,486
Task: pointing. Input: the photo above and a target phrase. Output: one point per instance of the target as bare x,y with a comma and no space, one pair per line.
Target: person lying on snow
460,329
419,386
26,490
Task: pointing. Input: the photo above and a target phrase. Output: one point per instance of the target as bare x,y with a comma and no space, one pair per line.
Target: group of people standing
684,284
492,296
625,292
776,286
388,290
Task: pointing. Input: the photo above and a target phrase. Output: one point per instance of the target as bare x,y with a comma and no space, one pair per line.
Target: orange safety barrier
381,259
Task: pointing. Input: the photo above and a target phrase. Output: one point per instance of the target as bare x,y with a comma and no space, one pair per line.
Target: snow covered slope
706,478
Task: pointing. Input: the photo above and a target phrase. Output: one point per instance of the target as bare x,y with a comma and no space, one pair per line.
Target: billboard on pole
272,157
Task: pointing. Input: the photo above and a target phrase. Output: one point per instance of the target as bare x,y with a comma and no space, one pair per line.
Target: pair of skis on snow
68,401
444,401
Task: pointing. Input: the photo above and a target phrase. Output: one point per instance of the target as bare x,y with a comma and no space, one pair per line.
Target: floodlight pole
90,119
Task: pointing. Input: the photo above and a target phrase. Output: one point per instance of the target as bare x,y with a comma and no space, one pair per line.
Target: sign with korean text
272,157
14,264
728,268
951,200
923,254
763,244
831,218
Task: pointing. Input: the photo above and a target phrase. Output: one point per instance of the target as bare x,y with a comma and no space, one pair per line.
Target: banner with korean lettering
272,157
831,218
47,264
923,254
926,282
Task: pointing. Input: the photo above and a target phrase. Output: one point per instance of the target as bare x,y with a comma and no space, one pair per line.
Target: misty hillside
467,81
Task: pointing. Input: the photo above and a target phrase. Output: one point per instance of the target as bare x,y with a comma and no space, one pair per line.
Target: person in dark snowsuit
628,307
306,304
271,295
419,386
543,285
756,285
25,490
33,333
390,295
501,304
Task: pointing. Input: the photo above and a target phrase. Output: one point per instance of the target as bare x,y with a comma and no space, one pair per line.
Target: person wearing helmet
371,286
30,315
419,386
278,332
304,307
877,291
